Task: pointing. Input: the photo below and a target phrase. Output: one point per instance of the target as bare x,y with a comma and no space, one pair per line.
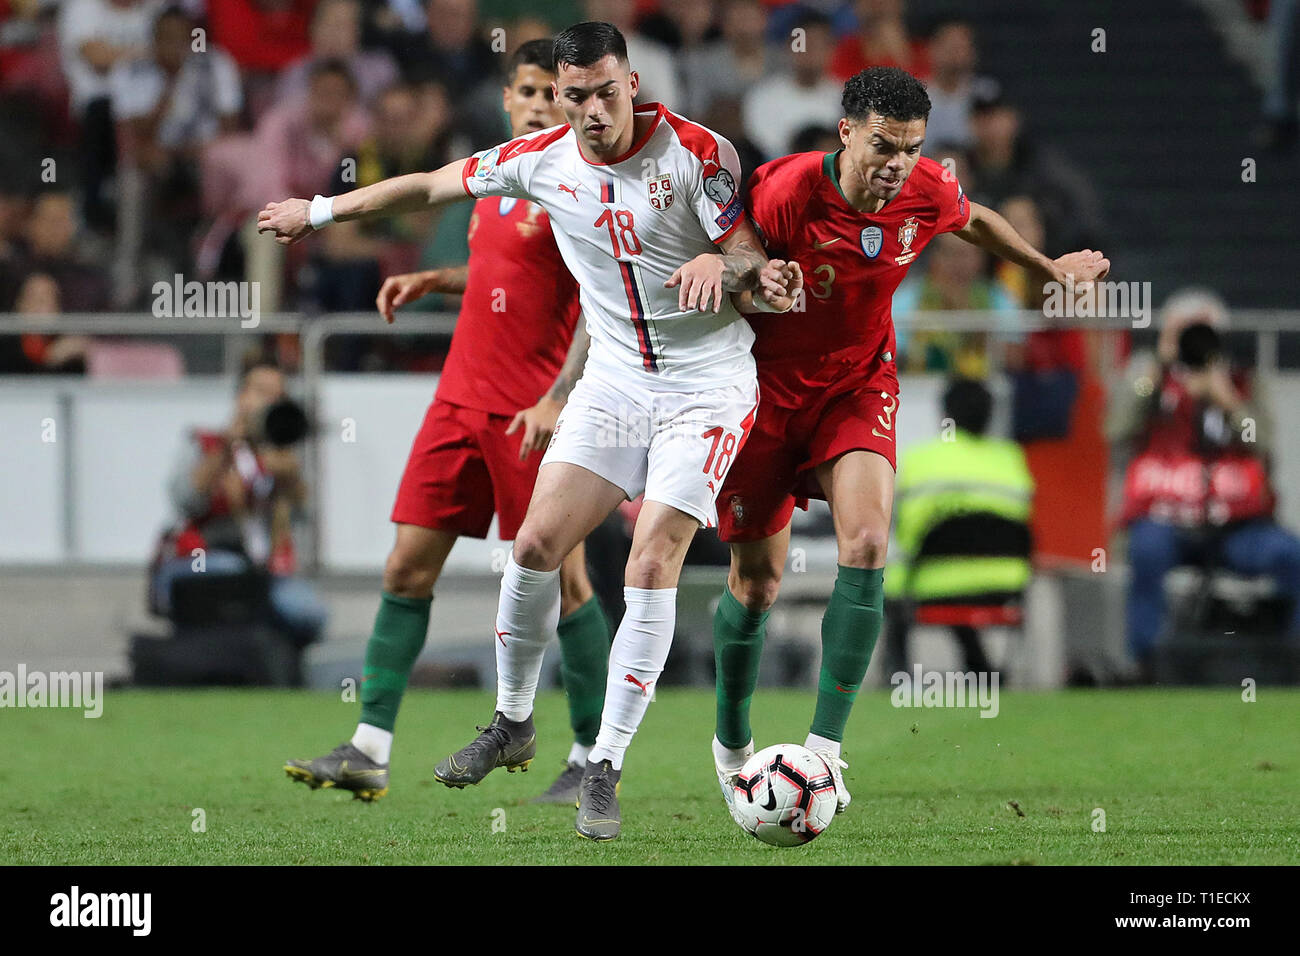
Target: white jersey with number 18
623,228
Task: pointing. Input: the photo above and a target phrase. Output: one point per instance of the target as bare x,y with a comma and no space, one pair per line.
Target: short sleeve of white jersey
505,170
716,194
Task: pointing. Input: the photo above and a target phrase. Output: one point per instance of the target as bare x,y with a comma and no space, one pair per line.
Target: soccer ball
785,795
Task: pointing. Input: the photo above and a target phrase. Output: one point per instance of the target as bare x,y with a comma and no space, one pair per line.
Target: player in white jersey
646,213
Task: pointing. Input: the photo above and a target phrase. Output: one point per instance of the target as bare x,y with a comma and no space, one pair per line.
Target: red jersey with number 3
852,261
518,313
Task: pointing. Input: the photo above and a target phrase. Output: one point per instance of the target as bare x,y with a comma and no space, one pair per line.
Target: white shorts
676,447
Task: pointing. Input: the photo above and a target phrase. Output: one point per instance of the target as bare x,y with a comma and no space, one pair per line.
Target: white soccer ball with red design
785,795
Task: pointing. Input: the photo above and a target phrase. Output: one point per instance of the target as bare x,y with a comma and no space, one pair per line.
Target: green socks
401,627
737,649
849,631
584,659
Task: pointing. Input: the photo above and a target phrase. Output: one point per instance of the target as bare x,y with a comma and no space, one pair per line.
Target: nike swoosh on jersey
823,245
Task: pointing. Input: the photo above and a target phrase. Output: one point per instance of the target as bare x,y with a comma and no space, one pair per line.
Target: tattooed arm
709,276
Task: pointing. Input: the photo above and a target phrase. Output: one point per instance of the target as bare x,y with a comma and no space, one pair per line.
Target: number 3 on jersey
625,231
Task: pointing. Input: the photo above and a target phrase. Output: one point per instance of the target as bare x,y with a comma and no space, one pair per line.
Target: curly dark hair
886,91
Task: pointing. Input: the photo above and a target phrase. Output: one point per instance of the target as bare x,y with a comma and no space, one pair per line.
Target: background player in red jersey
854,220
465,465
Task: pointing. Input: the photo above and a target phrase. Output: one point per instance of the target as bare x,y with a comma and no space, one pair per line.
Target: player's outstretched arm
539,421
706,277
400,289
292,219
988,230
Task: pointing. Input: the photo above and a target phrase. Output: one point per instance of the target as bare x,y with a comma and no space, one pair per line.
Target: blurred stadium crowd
139,138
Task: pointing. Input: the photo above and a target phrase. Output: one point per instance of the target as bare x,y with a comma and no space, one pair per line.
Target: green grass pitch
1183,777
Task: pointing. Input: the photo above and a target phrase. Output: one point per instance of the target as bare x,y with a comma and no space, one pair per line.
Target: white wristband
322,211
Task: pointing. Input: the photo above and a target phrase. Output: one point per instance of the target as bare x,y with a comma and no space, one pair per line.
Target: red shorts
795,432
463,468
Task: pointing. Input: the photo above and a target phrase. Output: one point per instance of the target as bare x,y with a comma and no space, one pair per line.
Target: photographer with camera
1197,488
238,493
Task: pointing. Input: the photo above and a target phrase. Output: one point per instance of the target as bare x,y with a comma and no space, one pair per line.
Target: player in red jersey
476,454
854,220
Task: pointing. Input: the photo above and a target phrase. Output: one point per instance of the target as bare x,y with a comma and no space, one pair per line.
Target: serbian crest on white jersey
660,190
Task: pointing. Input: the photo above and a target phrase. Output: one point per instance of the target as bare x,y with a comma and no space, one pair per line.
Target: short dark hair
588,42
333,66
969,404
886,91
538,53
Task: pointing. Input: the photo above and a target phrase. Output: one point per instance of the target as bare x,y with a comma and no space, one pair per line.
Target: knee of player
536,551
755,588
651,570
406,576
864,547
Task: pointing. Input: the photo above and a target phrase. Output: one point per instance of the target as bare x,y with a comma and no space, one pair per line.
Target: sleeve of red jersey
716,194
772,207
504,170
954,207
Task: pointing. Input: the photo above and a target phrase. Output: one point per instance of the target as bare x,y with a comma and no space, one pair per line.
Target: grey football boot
343,768
502,743
598,814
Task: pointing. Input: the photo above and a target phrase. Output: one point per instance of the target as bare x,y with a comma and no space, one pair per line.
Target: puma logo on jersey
501,635
572,192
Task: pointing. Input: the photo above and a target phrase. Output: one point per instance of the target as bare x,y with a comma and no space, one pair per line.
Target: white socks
731,761
815,742
375,742
527,615
579,753
635,662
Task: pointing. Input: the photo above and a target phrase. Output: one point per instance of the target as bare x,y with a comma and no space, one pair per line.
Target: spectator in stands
952,85
32,82
453,52
37,298
881,39
336,35
1007,163
954,279
238,496
724,116
354,257
818,139
731,65
682,25
1197,488
961,473
96,35
653,61
298,145
781,105
168,106
263,36
1279,127
50,246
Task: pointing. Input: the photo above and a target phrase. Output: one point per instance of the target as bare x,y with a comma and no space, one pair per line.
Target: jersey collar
831,169
658,109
